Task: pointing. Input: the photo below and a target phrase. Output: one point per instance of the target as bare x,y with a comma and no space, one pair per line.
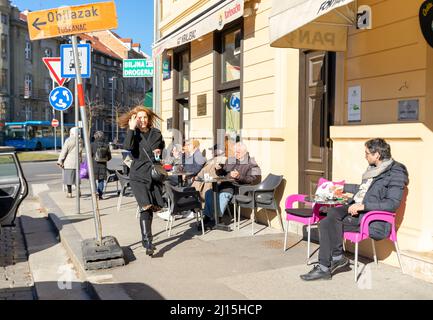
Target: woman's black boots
146,231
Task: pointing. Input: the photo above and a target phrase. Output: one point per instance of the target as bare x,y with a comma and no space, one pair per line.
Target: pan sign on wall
426,21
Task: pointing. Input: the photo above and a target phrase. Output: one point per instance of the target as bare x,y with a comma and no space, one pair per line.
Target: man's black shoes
316,274
338,264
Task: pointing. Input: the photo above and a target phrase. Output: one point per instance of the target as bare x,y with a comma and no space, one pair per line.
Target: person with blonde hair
146,145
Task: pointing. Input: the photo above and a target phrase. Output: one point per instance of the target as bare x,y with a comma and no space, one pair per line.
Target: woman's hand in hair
133,122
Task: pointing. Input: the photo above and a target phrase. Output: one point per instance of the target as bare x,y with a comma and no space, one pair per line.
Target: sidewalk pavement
218,265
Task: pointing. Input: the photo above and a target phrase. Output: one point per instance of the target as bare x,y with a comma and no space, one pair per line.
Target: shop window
228,107
231,112
231,56
184,71
181,108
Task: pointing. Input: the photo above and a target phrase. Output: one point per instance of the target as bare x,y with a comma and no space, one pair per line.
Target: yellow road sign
67,20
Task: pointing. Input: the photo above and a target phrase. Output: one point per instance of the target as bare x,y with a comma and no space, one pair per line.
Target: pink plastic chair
357,237
308,216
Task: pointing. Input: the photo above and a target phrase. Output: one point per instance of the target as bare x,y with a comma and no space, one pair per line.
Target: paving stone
16,282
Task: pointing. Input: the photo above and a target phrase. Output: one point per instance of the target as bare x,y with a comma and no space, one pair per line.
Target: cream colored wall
388,61
410,145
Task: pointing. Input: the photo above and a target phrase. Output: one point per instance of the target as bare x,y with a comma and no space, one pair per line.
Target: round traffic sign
54,123
61,98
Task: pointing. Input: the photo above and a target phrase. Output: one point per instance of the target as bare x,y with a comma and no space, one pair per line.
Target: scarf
368,176
374,171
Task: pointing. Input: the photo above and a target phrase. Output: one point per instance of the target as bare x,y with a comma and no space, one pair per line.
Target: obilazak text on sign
68,16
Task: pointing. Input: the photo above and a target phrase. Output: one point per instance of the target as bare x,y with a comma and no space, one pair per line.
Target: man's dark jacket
248,169
386,191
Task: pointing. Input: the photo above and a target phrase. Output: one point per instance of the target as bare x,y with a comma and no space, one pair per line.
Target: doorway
316,115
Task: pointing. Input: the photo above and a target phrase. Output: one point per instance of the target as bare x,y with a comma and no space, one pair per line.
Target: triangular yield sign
53,65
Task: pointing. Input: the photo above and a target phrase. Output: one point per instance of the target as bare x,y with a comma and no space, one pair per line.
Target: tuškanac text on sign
69,20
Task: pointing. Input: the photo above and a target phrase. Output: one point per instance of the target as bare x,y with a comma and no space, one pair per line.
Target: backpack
102,154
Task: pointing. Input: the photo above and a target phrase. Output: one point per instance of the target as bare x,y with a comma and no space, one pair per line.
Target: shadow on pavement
66,290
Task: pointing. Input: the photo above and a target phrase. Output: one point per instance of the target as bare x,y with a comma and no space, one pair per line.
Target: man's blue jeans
224,199
100,186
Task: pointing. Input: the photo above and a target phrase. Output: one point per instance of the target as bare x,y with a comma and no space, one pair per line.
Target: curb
37,161
71,241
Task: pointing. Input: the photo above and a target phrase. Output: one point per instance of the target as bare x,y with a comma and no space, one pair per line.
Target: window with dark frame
181,92
3,79
4,45
228,72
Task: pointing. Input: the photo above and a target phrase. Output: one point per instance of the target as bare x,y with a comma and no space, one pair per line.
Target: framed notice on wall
201,105
354,104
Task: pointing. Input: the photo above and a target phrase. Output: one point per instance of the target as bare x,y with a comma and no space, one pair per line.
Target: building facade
304,90
25,82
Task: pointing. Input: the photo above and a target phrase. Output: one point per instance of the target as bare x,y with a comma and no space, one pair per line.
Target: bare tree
96,110
119,108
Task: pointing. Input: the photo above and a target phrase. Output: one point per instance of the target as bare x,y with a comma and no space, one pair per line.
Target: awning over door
311,24
215,19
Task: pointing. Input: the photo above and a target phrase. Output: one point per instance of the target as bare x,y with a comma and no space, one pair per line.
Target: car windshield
15,133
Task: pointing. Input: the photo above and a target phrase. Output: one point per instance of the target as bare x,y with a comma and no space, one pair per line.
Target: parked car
13,186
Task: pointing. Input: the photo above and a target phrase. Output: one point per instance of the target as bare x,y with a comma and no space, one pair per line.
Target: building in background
25,82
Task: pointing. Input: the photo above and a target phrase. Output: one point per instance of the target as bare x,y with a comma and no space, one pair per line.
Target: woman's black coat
140,171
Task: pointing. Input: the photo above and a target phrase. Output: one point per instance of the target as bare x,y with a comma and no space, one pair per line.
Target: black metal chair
183,199
258,196
124,184
111,177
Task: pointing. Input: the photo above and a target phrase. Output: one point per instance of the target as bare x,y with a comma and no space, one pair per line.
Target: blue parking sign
61,98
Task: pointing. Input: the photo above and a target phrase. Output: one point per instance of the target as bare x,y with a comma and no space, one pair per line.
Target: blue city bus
33,135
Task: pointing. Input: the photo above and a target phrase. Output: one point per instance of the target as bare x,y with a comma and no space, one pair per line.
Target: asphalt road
50,173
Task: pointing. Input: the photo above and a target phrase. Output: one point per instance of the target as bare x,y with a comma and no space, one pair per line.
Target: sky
135,17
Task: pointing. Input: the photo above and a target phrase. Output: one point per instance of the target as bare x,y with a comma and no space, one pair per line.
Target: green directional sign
137,68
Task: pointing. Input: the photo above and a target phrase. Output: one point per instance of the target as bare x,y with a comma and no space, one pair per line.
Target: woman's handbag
158,172
84,170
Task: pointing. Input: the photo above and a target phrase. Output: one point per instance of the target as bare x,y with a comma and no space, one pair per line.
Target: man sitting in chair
381,190
243,169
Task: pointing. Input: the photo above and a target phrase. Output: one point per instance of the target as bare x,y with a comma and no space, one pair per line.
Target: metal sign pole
77,150
55,141
61,129
83,112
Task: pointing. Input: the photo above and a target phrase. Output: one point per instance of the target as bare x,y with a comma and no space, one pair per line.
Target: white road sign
68,64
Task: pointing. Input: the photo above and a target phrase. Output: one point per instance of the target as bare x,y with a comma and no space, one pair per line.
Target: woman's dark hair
380,146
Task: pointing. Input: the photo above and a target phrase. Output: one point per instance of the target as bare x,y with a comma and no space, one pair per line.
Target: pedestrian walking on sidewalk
146,144
101,154
68,160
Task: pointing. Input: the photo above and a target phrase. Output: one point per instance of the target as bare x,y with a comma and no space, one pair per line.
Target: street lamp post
112,107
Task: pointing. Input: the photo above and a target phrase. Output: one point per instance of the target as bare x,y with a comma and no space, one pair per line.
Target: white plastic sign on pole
67,65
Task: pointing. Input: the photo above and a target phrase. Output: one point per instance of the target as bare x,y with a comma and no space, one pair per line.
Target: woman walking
144,141
101,154
68,160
